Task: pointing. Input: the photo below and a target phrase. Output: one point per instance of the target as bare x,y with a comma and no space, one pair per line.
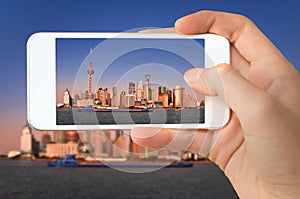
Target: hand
259,149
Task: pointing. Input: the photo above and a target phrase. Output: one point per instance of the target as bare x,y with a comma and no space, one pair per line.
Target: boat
70,161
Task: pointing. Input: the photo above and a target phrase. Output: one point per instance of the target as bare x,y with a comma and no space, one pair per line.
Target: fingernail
193,75
142,132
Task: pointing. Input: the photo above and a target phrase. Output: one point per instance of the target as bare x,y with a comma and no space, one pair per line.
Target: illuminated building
90,72
161,90
170,96
114,99
151,94
108,100
163,98
189,101
122,99
145,89
139,91
178,95
102,96
131,88
29,144
67,99
129,100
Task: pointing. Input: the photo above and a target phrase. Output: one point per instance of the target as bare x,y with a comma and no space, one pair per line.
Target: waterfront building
108,100
46,139
114,91
131,88
189,101
170,96
178,96
158,104
129,100
84,95
90,73
163,98
97,140
84,102
139,91
103,96
76,97
29,145
72,136
114,99
59,137
161,90
122,99
145,89
67,99
61,149
151,94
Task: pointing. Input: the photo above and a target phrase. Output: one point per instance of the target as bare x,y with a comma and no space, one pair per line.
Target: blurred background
279,20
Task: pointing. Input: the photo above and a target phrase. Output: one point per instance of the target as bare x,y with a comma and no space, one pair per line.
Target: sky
117,61
279,20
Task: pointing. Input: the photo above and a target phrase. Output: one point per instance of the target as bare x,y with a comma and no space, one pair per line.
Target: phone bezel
41,51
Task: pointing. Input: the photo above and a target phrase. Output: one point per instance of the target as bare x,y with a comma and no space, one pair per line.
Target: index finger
251,43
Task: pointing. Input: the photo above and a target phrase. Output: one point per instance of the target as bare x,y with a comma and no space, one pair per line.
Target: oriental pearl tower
90,72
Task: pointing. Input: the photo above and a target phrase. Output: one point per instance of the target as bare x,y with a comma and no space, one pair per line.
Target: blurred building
29,145
59,137
46,139
61,149
72,136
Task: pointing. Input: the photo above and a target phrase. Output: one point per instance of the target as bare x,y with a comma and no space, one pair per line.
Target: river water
156,116
33,179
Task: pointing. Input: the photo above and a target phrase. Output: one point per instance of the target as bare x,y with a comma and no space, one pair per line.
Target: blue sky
118,61
279,20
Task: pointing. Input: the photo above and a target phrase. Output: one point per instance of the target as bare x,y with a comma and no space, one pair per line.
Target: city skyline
133,89
165,60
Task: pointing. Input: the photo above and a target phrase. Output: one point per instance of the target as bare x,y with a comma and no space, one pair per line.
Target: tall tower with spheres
90,73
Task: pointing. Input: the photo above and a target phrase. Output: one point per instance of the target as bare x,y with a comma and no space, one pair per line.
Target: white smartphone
90,81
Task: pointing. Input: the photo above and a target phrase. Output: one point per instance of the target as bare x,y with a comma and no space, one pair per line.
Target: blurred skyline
19,19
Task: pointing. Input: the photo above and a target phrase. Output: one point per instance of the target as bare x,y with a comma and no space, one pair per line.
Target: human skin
259,148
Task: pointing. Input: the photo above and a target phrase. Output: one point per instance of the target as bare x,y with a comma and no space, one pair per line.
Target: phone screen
102,81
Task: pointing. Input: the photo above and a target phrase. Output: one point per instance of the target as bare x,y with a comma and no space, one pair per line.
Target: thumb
224,81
